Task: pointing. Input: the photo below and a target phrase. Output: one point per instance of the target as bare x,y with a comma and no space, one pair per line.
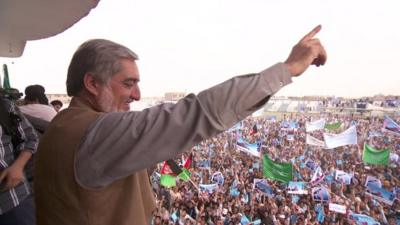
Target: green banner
375,156
333,126
277,171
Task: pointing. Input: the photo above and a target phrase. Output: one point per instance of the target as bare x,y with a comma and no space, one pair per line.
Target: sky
188,46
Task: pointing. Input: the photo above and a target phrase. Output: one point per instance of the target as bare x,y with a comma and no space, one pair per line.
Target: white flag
315,125
347,137
314,141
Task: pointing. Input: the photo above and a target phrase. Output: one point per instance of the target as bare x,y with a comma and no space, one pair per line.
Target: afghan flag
171,171
6,81
188,161
168,178
277,171
185,174
375,156
333,126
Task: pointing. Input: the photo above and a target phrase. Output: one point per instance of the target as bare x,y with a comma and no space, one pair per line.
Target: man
57,105
18,141
37,104
91,164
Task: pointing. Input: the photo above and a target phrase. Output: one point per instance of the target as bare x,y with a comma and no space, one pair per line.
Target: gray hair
99,57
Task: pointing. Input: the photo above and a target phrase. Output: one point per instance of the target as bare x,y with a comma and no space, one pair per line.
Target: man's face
121,90
57,107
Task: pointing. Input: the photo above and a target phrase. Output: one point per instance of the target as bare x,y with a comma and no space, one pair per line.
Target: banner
319,209
374,156
262,186
375,133
343,177
390,126
333,126
394,158
396,192
310,140
218,178
361,219
311,164
252,149
208,187
298,188
347,137
277,171
315,125
381,194
205,163
321,194
337,208
317,177
372,181
290,137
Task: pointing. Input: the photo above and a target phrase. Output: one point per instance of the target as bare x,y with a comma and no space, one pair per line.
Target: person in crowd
57,105
18,141
37,104
92,160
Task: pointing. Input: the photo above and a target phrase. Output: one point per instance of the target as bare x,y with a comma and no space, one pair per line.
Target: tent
22,21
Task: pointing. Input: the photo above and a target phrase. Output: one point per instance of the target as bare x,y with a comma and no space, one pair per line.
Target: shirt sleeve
29,135
120,143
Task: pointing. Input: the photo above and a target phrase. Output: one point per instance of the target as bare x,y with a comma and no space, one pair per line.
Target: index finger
311,34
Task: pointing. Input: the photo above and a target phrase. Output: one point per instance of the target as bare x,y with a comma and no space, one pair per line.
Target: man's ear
91,84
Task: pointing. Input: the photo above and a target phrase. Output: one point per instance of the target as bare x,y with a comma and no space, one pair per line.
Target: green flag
277,171
184,175
167,180
375,156
333,126
6,81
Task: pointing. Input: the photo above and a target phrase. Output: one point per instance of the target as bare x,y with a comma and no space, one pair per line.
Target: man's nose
135,94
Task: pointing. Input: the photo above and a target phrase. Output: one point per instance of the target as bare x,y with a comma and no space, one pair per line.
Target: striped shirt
8,154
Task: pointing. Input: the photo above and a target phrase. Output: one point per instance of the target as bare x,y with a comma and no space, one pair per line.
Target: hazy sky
187,45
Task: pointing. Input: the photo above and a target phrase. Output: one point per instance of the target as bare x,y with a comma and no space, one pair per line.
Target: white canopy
24,20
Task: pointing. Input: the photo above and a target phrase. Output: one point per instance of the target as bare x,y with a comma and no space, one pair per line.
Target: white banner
347,137
372,181
314,141
337,208
315,125
248,150
343,177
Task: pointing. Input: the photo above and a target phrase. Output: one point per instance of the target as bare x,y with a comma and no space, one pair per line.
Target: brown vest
60,200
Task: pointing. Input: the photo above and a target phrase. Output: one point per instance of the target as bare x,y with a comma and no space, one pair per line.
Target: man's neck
88,100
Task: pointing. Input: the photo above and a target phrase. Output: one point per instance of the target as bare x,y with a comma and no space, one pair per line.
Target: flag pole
191,181
194,185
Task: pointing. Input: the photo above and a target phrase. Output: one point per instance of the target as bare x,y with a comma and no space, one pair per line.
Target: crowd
236,201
